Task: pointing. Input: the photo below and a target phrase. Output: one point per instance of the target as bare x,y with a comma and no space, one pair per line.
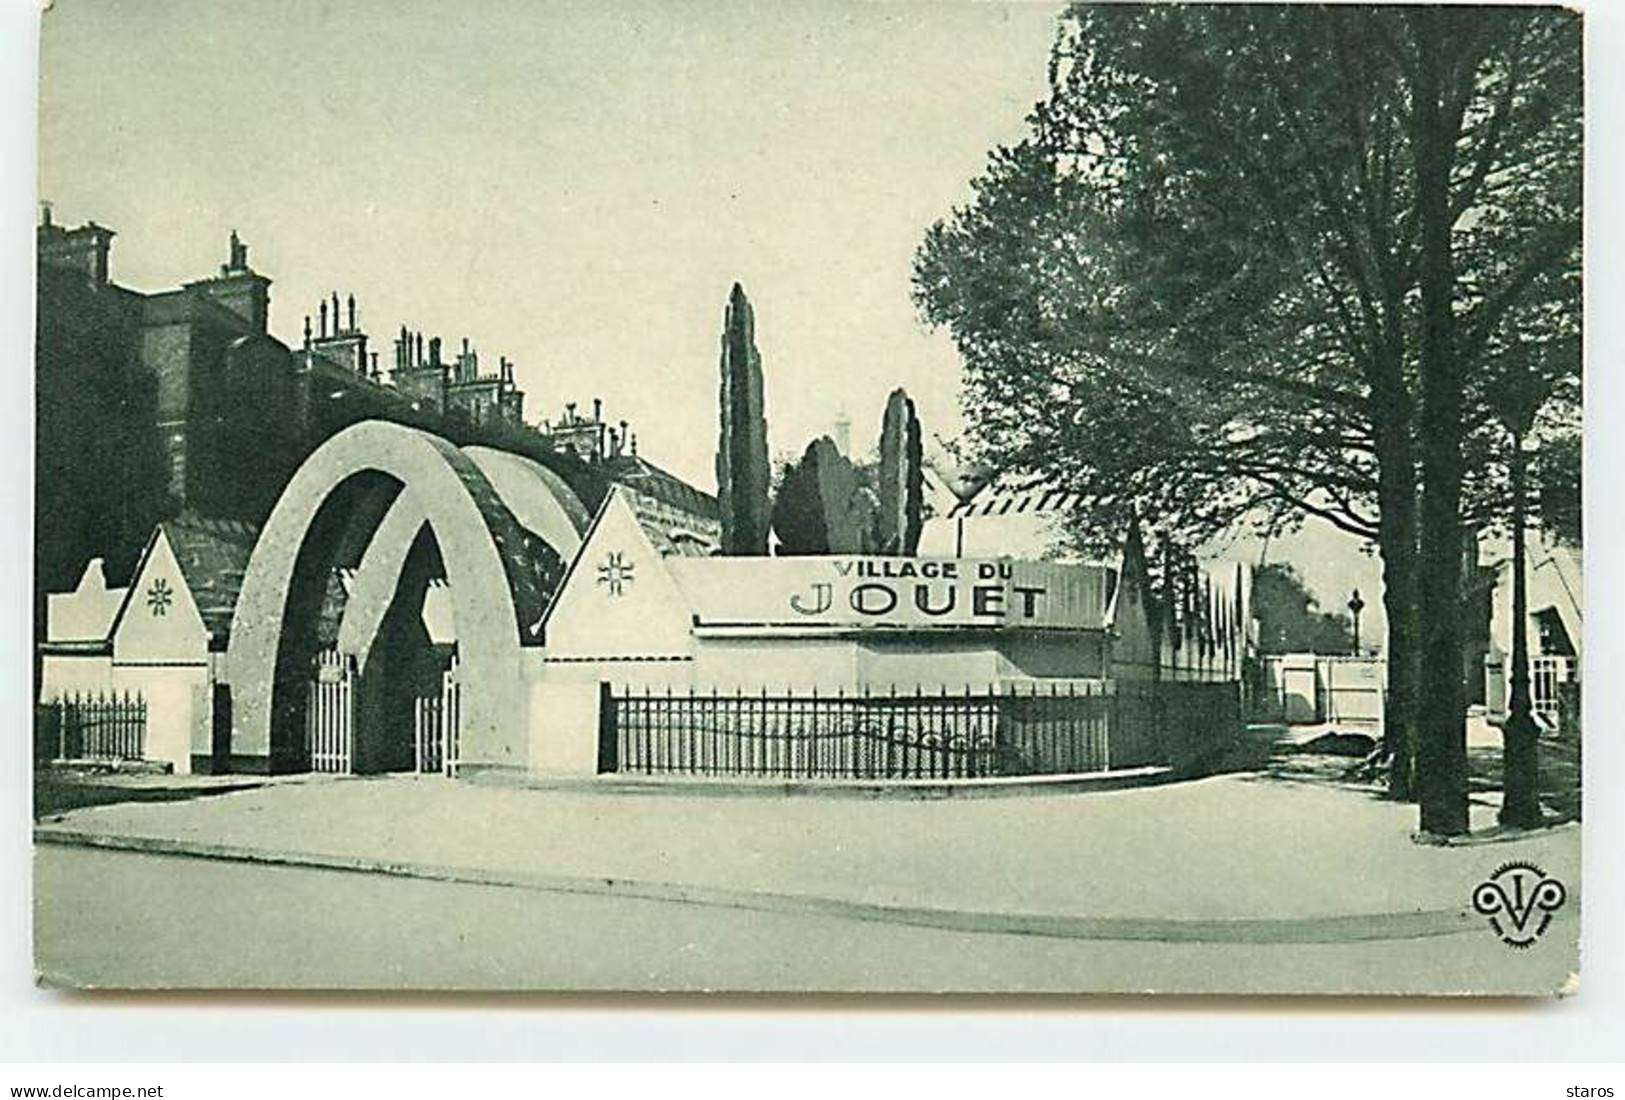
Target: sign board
915,593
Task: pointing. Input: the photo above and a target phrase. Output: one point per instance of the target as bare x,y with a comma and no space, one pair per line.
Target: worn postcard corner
763,504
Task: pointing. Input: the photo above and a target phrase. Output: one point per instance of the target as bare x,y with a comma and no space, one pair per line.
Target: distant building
455,386
180,401
223,387
1554,585
677,517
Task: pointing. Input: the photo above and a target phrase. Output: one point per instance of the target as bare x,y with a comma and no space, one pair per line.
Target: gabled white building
161,638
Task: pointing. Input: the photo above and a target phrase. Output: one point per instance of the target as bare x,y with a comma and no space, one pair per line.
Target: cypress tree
742,467
902,486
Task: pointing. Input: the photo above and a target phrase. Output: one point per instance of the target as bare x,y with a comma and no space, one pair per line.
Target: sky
574,186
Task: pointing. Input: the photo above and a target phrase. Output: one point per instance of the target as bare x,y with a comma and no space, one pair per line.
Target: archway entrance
376,518
406,666
393,703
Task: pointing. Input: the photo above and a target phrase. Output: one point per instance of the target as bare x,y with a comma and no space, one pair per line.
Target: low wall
1306,688
564,729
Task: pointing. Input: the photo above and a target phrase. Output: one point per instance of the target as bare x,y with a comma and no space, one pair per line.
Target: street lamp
1356,605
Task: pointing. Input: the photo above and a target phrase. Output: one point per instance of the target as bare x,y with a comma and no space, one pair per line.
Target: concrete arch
539,500
500,574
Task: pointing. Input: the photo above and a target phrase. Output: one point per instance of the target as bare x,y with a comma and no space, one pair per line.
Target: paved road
1229,847
116,919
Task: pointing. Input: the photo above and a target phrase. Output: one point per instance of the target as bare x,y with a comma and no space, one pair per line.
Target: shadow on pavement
1341,760
59,790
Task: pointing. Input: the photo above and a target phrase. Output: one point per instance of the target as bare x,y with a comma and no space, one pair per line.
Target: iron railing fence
1018,730
101,727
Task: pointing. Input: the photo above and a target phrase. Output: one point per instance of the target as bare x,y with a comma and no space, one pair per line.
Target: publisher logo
1519,900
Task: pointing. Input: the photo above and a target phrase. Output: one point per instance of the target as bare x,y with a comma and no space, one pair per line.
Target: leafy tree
742,466
1289,616
822,506
798,509
1495,144
1207,286
1555,480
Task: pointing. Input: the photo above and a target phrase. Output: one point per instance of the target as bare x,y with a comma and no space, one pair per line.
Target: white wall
752,664
161,650
66,675
562,709
179,710
932,664
86,613
563,728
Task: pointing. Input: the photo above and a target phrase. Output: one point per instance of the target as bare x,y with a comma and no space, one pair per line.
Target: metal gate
436,720
1547,674
330,714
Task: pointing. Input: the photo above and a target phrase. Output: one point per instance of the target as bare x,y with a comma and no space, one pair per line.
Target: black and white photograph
808,498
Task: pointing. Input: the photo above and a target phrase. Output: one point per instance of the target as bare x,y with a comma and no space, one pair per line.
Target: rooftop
213,555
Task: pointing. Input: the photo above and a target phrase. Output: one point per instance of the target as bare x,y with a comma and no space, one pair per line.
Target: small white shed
160,639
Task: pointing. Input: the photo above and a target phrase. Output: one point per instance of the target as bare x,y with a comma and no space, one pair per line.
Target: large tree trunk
1441,751
1393,427
1396,488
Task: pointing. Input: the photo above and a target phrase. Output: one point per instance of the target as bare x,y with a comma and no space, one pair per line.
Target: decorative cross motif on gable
160,596
616,573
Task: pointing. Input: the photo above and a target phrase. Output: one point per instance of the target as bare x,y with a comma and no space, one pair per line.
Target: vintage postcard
963,497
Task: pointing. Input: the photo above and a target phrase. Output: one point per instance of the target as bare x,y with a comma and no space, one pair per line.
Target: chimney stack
324,319
83,250
351,303
236,256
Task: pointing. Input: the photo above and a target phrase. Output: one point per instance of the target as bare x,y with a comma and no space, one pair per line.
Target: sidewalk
1229,859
